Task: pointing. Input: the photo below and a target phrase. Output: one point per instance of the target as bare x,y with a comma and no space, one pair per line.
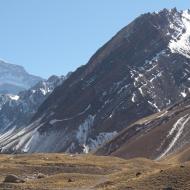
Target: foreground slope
81,172
140,71
155,136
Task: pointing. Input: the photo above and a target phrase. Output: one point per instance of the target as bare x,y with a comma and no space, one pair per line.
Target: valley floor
88,172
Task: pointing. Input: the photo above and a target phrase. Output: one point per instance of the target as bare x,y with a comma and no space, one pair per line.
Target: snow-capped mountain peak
14,78
180,42
142,70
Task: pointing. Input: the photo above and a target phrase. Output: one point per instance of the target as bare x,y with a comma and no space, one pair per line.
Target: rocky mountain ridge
17,110
14,78
142,70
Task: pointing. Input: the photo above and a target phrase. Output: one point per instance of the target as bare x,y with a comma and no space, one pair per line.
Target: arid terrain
85,172
119,122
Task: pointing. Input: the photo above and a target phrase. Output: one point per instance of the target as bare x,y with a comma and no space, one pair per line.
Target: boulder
11,178
70,180
40,176
138,174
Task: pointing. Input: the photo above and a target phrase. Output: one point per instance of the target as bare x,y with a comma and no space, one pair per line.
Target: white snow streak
14,97
178,128
52,122
181,43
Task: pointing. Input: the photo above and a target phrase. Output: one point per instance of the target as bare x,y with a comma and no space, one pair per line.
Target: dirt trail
100,181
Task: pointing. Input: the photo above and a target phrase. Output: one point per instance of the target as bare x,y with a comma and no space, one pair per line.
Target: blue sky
56,36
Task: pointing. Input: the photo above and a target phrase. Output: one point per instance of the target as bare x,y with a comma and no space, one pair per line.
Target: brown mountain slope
153,137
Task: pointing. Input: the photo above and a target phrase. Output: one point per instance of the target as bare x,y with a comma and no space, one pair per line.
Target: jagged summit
14,78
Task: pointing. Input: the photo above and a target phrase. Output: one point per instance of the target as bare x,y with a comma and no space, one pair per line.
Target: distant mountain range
14,78
17,110
144,70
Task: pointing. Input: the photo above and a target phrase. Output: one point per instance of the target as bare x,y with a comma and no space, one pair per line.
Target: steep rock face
153,137
17,110
4,98
14,78
142,70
